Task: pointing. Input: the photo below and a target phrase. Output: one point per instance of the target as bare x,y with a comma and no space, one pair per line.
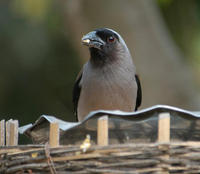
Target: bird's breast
107,91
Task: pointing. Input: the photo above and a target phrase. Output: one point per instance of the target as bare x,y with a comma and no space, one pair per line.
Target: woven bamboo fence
162,156
123,159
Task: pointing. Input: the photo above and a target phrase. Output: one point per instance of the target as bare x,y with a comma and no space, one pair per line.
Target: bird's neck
98,58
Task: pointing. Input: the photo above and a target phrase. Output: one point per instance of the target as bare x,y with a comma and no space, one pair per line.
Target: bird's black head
104,44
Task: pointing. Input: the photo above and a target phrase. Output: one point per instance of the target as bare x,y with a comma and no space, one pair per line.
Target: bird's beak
92,40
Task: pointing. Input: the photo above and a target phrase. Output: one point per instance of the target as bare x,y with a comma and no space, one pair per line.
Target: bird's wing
76,92
139,93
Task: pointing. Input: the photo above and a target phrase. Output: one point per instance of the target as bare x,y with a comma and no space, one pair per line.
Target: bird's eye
111,39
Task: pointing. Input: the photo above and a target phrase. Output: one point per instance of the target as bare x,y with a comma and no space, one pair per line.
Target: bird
108,80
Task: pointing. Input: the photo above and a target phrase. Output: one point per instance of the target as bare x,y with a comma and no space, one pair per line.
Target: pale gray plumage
108,80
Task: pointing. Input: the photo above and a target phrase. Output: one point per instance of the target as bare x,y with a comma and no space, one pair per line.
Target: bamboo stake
54,135
102,132
164,136
12,132
13,139
2,133
164,128
8,132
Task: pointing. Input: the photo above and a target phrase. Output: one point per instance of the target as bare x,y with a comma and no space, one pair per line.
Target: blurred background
41,51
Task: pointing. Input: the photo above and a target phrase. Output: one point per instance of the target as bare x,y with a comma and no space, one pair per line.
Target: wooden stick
12,132
164,128
164,136
2,133
8,132
54,135
102,132
13,139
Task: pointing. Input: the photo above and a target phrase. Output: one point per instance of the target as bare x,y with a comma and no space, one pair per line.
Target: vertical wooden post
54,135
164,136
13,140
2,133
8,132
164,128
102,131
12,132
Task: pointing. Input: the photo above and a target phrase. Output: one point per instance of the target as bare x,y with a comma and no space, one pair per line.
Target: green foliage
164,2
183,20
38,64
35,10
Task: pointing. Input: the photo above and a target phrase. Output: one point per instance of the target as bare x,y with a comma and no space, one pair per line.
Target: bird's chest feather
108,88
